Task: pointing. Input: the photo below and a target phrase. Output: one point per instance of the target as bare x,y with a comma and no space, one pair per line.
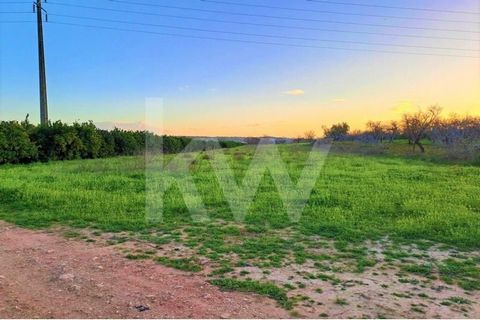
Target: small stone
142,308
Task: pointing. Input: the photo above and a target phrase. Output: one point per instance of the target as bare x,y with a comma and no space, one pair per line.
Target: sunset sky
255,85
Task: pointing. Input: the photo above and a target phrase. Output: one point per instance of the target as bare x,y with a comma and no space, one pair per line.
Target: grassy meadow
358,199
356,196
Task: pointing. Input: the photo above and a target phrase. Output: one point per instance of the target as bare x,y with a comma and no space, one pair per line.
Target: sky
241,68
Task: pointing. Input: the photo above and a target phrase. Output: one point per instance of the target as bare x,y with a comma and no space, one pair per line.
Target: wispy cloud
339,100
295,92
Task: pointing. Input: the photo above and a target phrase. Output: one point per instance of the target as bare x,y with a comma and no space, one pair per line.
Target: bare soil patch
43,275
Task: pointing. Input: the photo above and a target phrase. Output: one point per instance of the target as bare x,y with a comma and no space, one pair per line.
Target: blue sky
229,88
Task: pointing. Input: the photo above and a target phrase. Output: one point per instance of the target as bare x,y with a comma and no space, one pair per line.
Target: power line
418,36
319,11
261,16
393,7
262,42
262,35
17,21
318,29
269,16
14,12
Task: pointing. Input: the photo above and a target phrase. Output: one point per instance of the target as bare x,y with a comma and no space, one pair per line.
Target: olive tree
416,125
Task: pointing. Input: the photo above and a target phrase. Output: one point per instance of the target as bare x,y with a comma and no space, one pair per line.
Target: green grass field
357,198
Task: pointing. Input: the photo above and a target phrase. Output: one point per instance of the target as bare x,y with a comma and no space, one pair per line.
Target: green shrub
57,141
15,144
24,143
91,139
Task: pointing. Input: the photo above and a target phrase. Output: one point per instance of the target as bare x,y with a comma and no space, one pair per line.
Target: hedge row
25,143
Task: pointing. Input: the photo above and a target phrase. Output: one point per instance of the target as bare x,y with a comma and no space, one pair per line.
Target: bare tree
460,135
416,125
377,130
393,130
456,129
310,135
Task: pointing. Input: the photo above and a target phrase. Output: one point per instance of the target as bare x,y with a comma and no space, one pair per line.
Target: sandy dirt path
43,275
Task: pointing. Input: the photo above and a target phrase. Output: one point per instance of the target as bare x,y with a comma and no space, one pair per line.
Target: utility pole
41,64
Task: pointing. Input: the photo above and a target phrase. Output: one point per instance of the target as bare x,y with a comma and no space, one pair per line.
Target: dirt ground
43,275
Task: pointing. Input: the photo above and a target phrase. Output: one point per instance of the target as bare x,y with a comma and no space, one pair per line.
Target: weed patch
266,289
180,264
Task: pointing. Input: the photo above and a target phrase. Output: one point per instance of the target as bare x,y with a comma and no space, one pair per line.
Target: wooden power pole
41,65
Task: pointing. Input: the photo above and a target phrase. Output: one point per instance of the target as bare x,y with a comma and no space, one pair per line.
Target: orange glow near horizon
393,88
309,100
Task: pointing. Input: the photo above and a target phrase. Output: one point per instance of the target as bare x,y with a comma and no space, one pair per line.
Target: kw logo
239,194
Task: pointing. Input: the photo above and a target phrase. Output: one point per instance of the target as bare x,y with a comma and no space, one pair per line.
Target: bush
126,142
57,141
107,146
24,143
15,144
91,139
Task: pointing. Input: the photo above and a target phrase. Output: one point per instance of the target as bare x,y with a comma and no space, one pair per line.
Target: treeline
455,133
22,142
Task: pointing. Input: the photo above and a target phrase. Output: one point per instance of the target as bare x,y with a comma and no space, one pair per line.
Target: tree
393,130
377,130
57,141
126,143
310,135
91,139
107,148
337,131
15,144
24,142
456,129
416,125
